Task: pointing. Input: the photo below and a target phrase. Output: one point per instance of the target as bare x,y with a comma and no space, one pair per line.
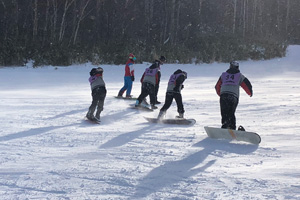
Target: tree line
63,32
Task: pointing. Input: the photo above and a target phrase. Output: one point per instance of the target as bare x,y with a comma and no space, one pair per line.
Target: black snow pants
169,99
147,89
228,104
156,91
98,95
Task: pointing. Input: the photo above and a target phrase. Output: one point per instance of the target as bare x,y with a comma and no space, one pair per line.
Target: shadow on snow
175,171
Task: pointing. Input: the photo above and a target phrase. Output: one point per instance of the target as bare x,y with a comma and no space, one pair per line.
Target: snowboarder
228,88
149,80
159,62
98,93
175,85
129,77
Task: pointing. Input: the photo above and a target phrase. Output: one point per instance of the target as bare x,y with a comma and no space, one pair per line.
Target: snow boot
157,102
90,115
161,115
97,116
153,107
120,94
180,116
137,103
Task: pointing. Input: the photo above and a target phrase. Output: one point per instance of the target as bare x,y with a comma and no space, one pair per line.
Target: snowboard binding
240,128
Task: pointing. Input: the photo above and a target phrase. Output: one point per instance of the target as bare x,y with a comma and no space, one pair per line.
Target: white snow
48,150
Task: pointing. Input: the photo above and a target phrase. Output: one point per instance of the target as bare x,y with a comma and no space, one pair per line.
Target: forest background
64,32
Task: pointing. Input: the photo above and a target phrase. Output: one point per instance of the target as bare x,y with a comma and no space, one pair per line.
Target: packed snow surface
49,151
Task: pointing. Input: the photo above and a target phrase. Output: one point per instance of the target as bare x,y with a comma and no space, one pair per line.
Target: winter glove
132,78
182,86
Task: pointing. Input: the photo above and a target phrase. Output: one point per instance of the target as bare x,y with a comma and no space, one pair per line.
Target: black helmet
162,58
93,72
234,65
178,71
100,70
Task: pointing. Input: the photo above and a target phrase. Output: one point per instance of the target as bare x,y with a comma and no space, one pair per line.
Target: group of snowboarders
227,87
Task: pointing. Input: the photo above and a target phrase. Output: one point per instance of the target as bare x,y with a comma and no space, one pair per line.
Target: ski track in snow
49,151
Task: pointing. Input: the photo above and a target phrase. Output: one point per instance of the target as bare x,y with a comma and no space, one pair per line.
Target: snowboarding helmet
132,57
100,70
178,71
234,65
162,58
93,72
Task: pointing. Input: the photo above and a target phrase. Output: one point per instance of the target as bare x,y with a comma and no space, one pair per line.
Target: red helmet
132,57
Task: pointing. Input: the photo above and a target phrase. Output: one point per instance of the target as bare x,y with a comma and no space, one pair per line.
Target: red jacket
129,69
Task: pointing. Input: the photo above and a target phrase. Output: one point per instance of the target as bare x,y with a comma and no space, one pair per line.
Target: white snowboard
221,133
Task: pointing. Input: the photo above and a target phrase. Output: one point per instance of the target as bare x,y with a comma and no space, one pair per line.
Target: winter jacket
129,69
158,63
151,75
230,82
176,80
96,81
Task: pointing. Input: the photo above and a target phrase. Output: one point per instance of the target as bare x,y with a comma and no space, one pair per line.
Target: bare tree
254,16
287,15
67,5
244,17
200,6
5,30
35,19
172,22
81,16
46,21
54,19
234,16
149,16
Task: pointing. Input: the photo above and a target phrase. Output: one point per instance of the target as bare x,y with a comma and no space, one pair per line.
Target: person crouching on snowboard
175,85
149,79
98,93
228,88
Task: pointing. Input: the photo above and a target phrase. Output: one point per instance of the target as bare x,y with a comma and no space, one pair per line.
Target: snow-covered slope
48,150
